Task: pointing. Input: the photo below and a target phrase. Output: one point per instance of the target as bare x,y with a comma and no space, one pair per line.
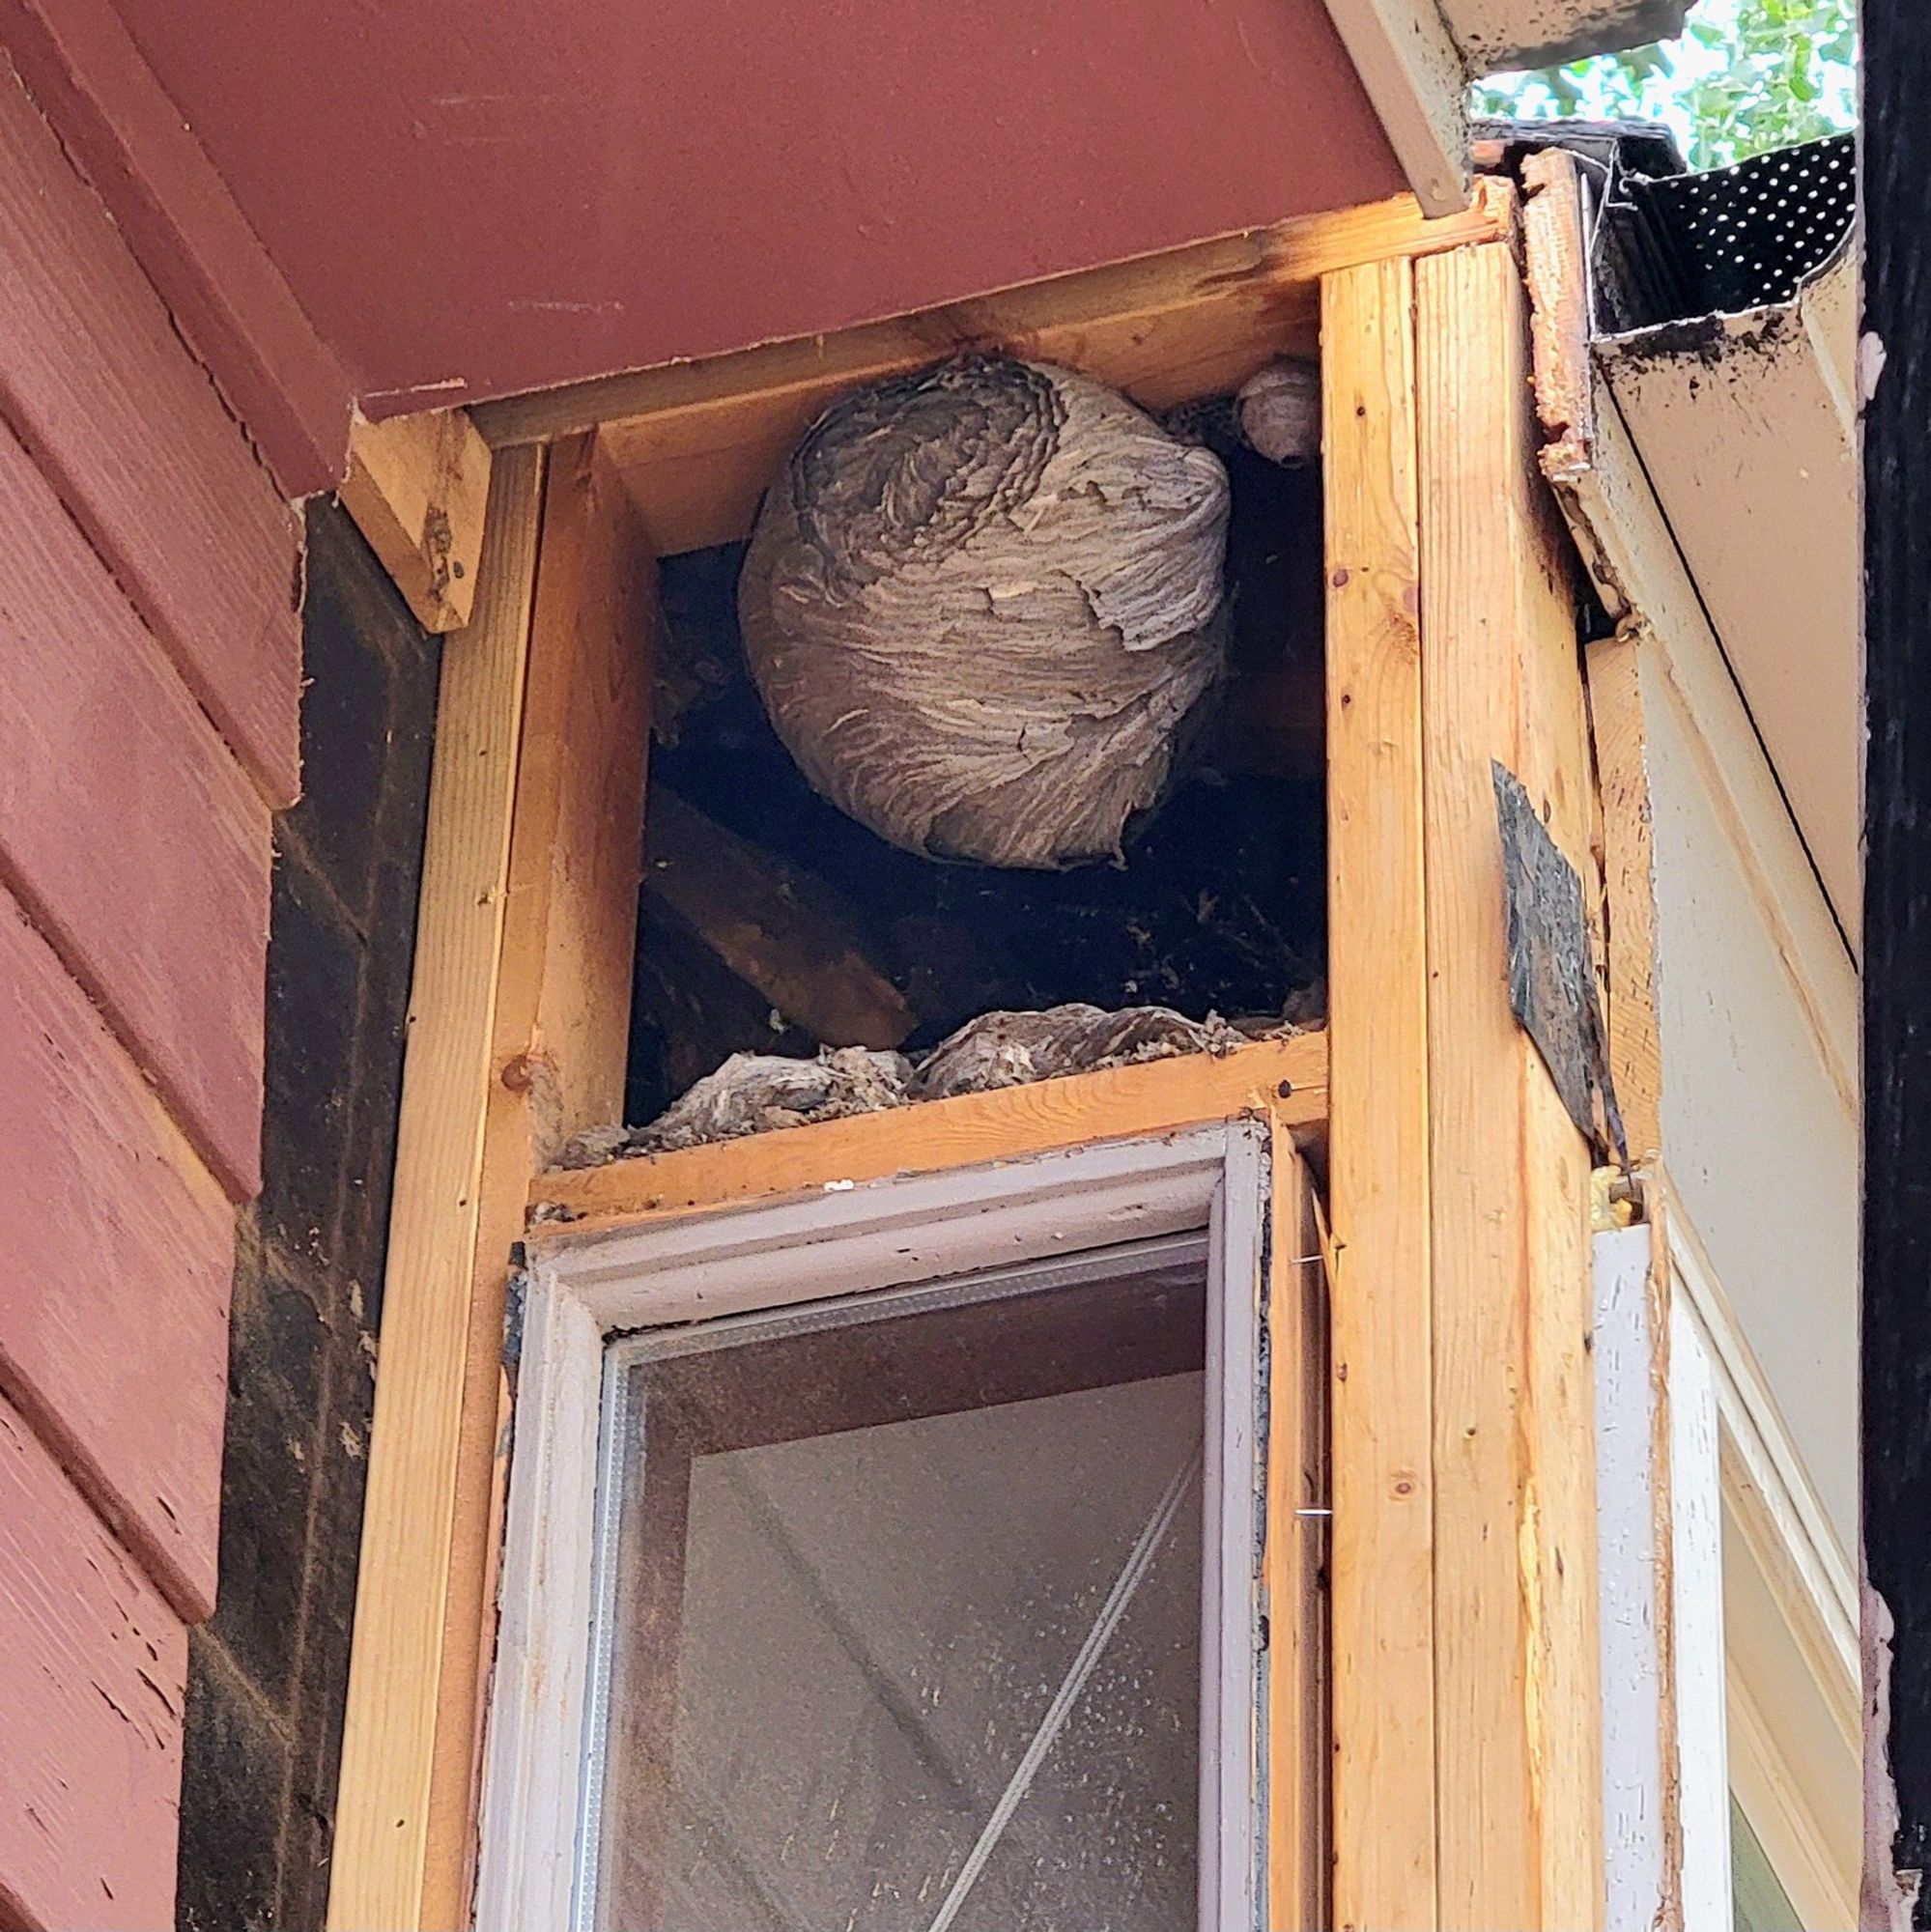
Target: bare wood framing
1464,1552
1622,775
562,1023
1294,1556
776,926
1414,75
1287,1079
698,442
1383,1666
1516,1614
418,488
389,1731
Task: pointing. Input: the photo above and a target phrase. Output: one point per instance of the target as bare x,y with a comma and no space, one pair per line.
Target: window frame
1766,1637
847,1239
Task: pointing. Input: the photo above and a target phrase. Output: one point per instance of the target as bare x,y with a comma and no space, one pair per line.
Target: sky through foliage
1745,77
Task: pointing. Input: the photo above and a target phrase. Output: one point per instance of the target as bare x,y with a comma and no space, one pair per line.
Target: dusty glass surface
902,1616
1759,1901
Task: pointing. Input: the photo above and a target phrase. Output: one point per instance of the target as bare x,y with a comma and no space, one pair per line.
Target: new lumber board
1294,1553
1629,863
128,829
395,1673
120,1246
562,1025
133,436
1515,1605
1384,1681
418,488
1286,1078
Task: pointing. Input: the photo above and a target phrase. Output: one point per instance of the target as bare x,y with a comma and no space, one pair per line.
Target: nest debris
755,1092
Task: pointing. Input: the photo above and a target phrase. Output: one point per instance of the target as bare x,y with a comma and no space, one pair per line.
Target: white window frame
1761,1604
843,1240
1765,1606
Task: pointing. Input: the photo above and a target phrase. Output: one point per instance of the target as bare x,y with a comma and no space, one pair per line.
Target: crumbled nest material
755,1093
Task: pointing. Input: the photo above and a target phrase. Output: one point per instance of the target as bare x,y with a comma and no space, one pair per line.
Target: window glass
1760,1903
902,1611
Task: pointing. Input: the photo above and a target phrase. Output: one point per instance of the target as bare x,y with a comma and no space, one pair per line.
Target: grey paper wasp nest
982,603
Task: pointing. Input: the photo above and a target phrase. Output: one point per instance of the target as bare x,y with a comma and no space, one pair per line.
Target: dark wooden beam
777,926
1896,191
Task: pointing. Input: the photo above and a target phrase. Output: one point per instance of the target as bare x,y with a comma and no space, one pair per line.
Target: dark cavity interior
1219,907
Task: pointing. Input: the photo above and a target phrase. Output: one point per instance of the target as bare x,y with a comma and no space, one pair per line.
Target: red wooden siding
91,1681
129,829
114,1326
150,671
234,308
132,434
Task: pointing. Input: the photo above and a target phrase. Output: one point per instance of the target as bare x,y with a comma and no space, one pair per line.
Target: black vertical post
1896,1440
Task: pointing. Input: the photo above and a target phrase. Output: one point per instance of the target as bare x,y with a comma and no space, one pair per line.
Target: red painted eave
472,198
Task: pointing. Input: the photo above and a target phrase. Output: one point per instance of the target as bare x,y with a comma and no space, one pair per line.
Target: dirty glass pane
1759,1902
902,1613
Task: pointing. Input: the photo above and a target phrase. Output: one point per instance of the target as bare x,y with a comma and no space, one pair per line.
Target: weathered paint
148,629
114,1318
128,828
1636,1796
233,308
1754,462
473,201
91,1676
133,437
1494,34
1758,1128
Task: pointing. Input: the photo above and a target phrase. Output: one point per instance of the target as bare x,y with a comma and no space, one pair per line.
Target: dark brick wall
268,1676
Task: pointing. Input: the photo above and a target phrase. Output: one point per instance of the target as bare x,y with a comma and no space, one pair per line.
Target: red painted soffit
470,198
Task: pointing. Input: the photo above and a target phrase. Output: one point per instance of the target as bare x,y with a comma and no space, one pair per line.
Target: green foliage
1747,76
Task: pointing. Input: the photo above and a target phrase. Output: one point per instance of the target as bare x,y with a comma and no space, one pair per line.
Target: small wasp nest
983,604
1279,411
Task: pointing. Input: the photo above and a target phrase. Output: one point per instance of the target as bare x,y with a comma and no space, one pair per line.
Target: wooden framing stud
1285,1079
520,1019
402,1595
1629,913
562,1025
1515,1588
1466,1678
418,488
1464,1704
1383,1662
1293,1555
698,441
